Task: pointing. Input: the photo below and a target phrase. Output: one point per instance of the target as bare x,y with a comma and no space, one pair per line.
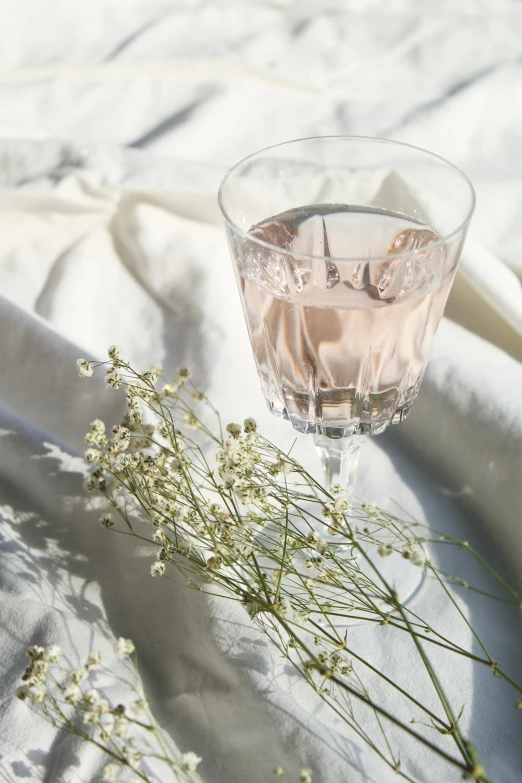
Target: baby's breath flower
120,727
91,696
184,373
52,654
106,730
85,368
341,505
39,669
38,692
384,550
72,694
106,519
111,772
284,606
214,562
159,536
284,467
371,511
90,484
190,761
140,707
35,651
112,379
91,717
132,756
164,429
278,772
22,692
152,375
310,584
92,456
77,676
114,353
124,647
336,489
192,421
305,776
412,551
157,568
250,425
234,430
169,390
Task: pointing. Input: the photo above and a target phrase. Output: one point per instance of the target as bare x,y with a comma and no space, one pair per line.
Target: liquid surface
341,345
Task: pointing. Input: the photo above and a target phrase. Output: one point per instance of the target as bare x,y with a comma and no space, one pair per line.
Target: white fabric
101,245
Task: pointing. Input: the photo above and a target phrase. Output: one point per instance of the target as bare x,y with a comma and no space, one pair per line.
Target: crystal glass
345,250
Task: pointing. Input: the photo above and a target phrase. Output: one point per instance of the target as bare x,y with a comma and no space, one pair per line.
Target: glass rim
285,251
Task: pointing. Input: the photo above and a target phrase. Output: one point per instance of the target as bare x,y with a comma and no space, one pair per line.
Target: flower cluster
68,700
232,508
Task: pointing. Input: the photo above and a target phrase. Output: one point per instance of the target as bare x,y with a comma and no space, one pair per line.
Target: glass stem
339,458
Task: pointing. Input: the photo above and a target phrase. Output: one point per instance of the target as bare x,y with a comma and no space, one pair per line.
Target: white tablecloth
103,244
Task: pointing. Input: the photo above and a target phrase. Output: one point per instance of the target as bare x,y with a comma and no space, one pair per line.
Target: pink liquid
341,346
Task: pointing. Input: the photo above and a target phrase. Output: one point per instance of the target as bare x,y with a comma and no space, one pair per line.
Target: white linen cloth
101,245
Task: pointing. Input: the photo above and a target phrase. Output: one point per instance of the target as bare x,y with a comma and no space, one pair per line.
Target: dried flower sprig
129,735
297,556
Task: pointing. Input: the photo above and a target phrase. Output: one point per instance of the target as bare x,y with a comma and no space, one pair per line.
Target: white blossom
112,379
250,425
39,669
111,772
77,676
305,776
34,651
140,707
72,694
120,727
22,692
38,692
152,375
190,761
91,717
284,467
94,658
234,430
106,730
124,647
93,456
284,606
132,756
91,696
341,505
106,520
97,427
192,421
414,552
52,654
90,484
157,569
85,368
114,352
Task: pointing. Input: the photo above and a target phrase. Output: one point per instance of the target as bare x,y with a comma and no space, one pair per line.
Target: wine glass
345,250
